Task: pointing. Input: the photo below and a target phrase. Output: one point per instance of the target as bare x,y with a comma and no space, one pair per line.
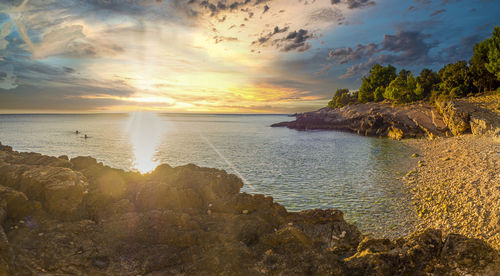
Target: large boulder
455,117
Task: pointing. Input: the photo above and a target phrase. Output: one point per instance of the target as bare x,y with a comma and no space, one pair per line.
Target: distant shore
479,115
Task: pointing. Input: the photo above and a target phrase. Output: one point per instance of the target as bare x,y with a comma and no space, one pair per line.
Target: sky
219,56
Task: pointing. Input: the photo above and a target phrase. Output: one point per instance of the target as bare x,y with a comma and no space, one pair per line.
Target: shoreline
80,217
456,186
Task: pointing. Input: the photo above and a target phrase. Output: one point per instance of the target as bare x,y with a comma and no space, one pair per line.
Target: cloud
355,4
436,12
296,41
4,32
460,51
327,15
7,77
403,48
345,55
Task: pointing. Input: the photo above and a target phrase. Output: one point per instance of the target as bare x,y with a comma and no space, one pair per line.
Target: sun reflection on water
145,131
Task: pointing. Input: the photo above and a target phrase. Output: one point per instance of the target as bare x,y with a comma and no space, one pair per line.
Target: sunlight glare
145,131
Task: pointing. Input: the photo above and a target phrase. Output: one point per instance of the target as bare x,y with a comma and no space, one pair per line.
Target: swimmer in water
85,136
76,132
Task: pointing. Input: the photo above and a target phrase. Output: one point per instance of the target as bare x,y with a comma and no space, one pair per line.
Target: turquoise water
301,170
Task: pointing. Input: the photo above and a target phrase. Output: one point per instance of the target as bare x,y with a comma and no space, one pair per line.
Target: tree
365,91
379,78
482,79
402,88
342,97
493,65
427,81
456,80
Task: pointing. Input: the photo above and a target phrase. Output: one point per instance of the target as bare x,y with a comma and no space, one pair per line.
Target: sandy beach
456,185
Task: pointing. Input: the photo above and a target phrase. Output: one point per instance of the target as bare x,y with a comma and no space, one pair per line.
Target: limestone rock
375,119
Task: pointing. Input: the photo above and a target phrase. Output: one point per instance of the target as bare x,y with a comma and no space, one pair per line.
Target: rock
476,115
479,115
15,204
83,162
468,253
455,117
395,133
374,119
3,216
188,221
101,262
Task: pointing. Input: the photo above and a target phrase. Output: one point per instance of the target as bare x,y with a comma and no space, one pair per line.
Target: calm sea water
301,170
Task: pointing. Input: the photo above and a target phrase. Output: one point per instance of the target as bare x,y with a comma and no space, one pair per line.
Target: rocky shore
478,115
78,217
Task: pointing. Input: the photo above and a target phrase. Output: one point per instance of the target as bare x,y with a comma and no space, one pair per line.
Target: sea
300,169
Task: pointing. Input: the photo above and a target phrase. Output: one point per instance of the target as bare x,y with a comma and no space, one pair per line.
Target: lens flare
145,132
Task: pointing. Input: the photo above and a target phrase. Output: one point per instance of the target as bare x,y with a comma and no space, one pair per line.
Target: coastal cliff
79,217
478,115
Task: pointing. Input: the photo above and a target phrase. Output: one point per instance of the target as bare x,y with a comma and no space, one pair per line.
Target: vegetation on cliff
480,74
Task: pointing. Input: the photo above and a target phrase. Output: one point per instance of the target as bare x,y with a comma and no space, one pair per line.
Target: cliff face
80,217
479,115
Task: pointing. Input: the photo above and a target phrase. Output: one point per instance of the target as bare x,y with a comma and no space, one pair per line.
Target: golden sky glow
267,56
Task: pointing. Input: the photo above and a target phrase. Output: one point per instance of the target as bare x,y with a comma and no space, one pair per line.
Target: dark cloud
296,41
436,12
354,4
345,55
403,48
460,51
265,38
293,41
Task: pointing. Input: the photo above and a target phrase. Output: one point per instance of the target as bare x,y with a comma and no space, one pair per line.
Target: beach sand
456,185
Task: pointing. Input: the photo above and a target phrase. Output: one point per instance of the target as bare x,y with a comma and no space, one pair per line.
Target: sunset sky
221,56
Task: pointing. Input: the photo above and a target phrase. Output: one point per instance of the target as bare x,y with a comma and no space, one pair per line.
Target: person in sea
86,136
76,132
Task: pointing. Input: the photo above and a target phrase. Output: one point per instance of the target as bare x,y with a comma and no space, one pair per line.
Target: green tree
402,88
482,79
456,80
379,76
427,81
493,65
342,97
366,90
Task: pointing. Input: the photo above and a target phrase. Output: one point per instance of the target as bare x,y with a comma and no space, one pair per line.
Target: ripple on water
301,170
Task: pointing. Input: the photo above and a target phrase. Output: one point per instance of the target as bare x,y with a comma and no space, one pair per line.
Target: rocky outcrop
375,119
194,221
477,115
